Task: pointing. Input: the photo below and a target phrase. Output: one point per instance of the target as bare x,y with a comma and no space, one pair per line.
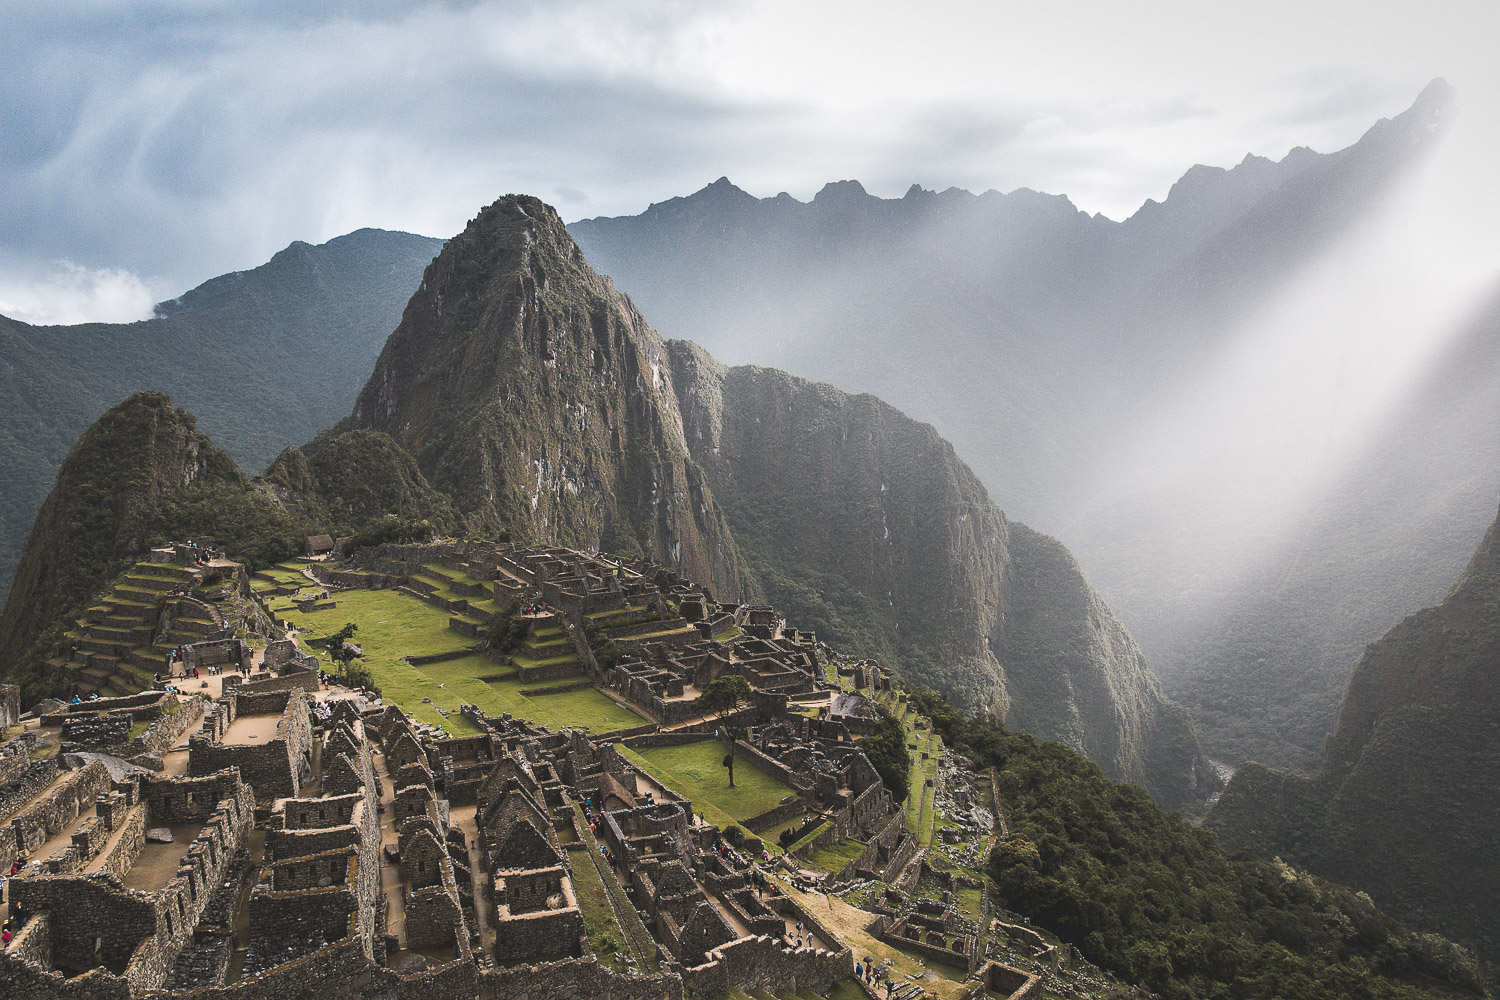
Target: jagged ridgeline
1406,805
538,399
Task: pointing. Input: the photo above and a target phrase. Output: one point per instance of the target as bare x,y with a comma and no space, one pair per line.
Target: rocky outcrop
863,524
1406,804
265,358
534,394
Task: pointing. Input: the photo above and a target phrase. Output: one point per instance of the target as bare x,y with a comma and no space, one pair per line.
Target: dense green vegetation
1159,902
887,751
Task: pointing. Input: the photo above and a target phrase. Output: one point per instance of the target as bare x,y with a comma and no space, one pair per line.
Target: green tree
723,692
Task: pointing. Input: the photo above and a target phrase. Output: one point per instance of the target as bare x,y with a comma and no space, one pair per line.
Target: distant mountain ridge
1038,338
265,358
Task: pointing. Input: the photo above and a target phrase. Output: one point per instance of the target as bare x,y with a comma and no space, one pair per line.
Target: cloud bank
187,138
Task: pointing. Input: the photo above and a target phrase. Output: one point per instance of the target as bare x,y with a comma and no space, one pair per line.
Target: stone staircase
115,647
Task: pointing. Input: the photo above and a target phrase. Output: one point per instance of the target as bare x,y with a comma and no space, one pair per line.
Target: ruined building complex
275,842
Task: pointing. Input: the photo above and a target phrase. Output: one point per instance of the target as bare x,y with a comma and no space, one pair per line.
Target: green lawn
393,625
833,857
696,771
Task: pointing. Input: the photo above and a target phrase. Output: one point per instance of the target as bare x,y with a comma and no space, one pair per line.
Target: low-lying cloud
68,293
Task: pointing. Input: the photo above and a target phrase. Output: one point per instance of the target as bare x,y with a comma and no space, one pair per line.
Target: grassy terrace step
526,661
129,604
602,617
657,636
165,569
548,632
451,575
136,673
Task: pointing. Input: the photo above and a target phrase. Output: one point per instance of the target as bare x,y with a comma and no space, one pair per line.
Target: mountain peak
841,192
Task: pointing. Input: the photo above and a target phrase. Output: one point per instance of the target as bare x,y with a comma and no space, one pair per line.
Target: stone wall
60,805
773,767
104,729
166,729
10,705
21,981
307,680
15,756
122,854
275,768
775,816
751,963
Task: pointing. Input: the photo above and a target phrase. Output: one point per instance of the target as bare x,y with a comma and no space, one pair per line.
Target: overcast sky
146,146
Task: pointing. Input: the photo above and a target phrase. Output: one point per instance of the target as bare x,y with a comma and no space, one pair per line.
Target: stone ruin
389,860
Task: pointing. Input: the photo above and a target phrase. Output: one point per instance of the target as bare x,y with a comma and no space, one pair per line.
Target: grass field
697,771
393,625
833,857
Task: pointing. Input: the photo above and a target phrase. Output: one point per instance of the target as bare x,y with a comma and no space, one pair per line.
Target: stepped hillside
864,524
265,358
537,398
96,520
1047,344
1406,804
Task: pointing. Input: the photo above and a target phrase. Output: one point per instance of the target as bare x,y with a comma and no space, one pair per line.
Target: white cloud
68,293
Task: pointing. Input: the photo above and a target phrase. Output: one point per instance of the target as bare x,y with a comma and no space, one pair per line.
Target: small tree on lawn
724,692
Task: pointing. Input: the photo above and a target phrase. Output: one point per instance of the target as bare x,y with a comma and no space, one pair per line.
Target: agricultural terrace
697,771
393,625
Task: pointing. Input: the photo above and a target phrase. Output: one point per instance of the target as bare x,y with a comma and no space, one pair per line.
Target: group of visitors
92,697
588,815
535,608
801,937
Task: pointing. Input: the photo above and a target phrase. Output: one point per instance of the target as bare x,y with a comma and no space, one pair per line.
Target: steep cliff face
535,395
105,499
863,524
1406,804
1075,675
